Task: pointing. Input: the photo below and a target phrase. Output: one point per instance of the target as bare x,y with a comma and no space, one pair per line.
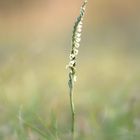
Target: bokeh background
35,38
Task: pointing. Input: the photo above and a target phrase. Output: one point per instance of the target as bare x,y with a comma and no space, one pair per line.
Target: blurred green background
35,39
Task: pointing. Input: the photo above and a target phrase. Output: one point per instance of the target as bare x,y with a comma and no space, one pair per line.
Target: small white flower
72,62
79,25
83,9
77,45
79,30
72,56
78,34
75,51
78,40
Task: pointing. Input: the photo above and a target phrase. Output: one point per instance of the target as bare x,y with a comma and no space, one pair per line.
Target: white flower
72,62
79,30
79,25
77,40
77,45
75,51
78,34
72,56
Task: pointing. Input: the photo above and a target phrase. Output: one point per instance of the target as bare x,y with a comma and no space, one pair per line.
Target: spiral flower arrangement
76,38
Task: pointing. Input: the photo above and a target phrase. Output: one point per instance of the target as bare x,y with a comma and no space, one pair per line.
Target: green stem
72,113
71,83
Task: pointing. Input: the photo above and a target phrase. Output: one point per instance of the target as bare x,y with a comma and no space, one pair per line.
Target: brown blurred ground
55,14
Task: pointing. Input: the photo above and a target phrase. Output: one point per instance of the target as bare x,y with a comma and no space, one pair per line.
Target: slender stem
72,113
71,85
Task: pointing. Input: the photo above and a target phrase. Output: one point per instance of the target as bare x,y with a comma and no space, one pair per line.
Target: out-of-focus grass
34,103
